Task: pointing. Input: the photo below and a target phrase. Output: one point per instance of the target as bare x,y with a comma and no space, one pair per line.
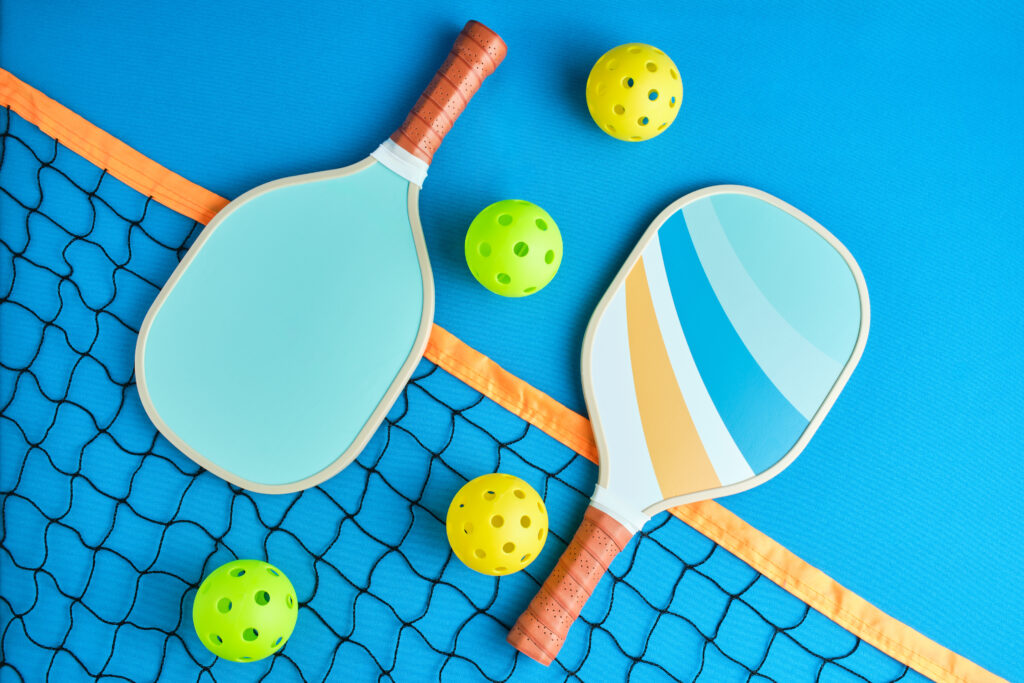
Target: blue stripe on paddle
761,421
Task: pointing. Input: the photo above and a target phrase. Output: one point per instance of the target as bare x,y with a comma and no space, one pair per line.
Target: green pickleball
513,248
245,610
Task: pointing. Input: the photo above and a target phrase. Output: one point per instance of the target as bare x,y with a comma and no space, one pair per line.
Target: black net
107,530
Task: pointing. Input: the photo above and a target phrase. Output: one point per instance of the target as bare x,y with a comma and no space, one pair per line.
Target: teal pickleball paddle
294,321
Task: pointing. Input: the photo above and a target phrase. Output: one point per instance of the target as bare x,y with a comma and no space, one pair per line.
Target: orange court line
511,393
107,152
778,564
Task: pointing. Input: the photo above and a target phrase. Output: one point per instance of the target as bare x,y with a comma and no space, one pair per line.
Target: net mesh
107,530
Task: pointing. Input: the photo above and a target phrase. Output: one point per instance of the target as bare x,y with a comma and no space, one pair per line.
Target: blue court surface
897,126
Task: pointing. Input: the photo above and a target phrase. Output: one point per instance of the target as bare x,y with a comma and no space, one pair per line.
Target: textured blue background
897,127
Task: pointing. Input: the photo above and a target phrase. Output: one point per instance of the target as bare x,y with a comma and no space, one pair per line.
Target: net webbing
107,530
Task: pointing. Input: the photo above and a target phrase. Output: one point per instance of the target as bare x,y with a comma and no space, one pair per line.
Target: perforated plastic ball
245,610
497,524
513,248
634,92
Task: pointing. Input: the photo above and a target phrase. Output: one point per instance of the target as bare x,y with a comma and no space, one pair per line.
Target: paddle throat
398,160
622,510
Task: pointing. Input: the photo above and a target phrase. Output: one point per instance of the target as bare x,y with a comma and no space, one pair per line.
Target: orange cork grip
476,54
541,629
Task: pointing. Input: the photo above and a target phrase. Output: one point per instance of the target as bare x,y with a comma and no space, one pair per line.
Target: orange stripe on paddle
677,453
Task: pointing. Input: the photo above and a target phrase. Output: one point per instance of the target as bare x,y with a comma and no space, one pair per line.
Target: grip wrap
541,630
476,54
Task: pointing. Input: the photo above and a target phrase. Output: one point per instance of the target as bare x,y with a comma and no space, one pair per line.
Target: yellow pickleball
497,524
634,92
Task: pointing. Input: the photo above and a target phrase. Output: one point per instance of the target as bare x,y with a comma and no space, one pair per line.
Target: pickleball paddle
707,366
290,327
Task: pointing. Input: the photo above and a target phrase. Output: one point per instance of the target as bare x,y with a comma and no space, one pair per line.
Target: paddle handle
476,54
541,630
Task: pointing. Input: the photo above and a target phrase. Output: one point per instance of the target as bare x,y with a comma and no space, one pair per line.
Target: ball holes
250,634
480,553
280,639
519,493
521,249
635,50
497,521
216,640
619,109
540,506
673,74
525,558
503,278
525,521
273,572
651,66
599,88
529,290
245,659
509,547
488,495
505,219
652,95
540,534
462,505
500,570
237,573
610,128
635,138
223,605
484,249
290,601
643,120
468,529
612,64
663,126
541,224
671,102
549,257
628,82
262,597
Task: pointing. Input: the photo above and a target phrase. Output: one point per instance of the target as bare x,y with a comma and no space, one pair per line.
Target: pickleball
245,610
497,524
513,248
634,92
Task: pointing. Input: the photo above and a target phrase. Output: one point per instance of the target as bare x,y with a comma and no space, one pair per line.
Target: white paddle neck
622,510
401,162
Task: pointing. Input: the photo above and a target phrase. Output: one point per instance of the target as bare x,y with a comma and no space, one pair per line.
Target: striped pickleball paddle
707,367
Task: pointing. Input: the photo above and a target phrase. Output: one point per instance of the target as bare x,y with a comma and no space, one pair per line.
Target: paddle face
290,327
719,348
